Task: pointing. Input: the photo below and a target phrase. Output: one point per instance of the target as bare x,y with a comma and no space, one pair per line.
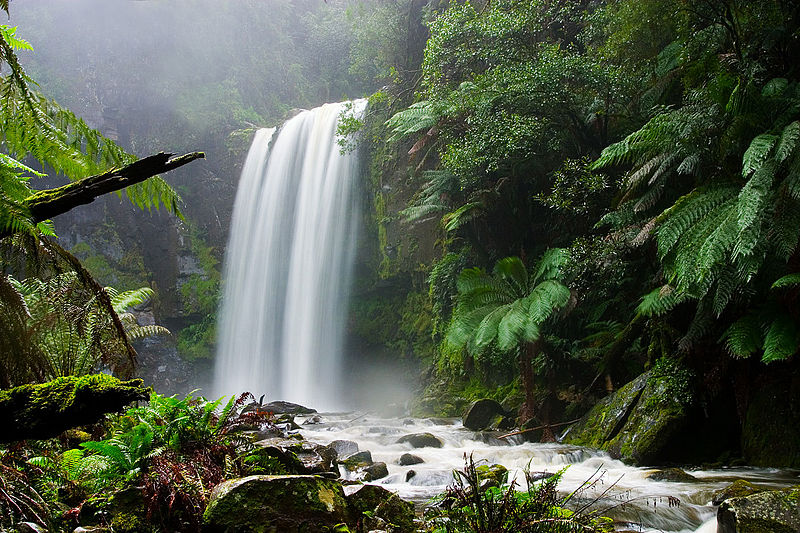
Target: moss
45,410
283,503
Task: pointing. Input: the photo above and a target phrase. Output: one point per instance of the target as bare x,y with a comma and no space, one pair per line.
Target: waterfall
288,265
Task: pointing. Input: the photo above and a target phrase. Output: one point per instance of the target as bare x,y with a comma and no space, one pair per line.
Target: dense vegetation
655,142
562,196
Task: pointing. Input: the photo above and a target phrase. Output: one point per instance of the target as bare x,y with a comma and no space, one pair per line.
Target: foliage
470,506
509,306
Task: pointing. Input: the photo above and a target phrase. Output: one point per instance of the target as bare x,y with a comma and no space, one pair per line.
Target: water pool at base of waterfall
623,492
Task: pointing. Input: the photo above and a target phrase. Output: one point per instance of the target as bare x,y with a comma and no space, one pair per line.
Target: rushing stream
624,492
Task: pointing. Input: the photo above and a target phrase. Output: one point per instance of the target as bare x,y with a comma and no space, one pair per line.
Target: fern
417,117
790,280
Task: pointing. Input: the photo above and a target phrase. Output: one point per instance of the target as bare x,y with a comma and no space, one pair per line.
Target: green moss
45,410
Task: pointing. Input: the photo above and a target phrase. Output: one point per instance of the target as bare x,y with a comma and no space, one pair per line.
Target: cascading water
288,264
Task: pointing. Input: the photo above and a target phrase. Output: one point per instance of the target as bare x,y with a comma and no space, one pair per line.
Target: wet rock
486,414
281,407
607,418
381,503
644,421
311,421
300,456
289,504
775,511
374,471
421,440
357,460
344,447
737,489
532,477
411,474
671,474
408,459
497,474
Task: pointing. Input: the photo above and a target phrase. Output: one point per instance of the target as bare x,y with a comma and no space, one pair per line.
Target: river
623,492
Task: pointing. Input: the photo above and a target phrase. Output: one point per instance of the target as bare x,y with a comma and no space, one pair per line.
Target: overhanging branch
43,205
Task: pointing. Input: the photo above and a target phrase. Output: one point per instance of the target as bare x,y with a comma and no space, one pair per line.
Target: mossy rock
357,460
657,418
497,474
45,410
607,418
289,504
421,440
775,511
738,489
375,501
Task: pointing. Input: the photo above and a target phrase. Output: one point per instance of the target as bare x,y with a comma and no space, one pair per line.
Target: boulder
644,422
775,511
289,504
375,501
344,447
280,408
421,440
496,474
374,471
485,414
408,459
771,427
737,489
606,419
671,474
357,460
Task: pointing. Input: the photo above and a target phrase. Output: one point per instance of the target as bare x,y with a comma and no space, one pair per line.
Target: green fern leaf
757,153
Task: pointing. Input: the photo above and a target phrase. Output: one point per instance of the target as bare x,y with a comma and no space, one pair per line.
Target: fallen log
41,411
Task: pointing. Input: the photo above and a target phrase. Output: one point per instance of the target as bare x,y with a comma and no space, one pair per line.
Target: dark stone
421,440
776,511
281,407
344,448
737,489
671,474
357,460
384,504
485,414
408,459
644,422
289,504
410,475
374,471
316,419
771,428
606,419
538,476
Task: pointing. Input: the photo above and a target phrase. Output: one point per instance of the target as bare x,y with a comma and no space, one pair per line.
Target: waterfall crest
288,266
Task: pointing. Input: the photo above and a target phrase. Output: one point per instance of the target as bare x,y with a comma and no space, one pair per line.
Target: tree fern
417,117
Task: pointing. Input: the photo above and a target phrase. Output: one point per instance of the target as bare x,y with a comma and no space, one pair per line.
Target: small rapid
611,487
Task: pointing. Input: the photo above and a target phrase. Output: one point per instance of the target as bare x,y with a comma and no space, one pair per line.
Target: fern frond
417,117
788,142
757,153
744,338
790,280
782,339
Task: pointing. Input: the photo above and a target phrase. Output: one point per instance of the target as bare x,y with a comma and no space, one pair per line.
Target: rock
497,474
532,477
290,408
300,457
408,459
344,447
289,504
311,421
671,474
411,474
421,440
374,471
316,458
737,489
485,414
384,504
776,511
771,427
643,423
357,460
606,419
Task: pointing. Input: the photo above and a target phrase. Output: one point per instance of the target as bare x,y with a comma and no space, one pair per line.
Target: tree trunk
43,205
527,410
